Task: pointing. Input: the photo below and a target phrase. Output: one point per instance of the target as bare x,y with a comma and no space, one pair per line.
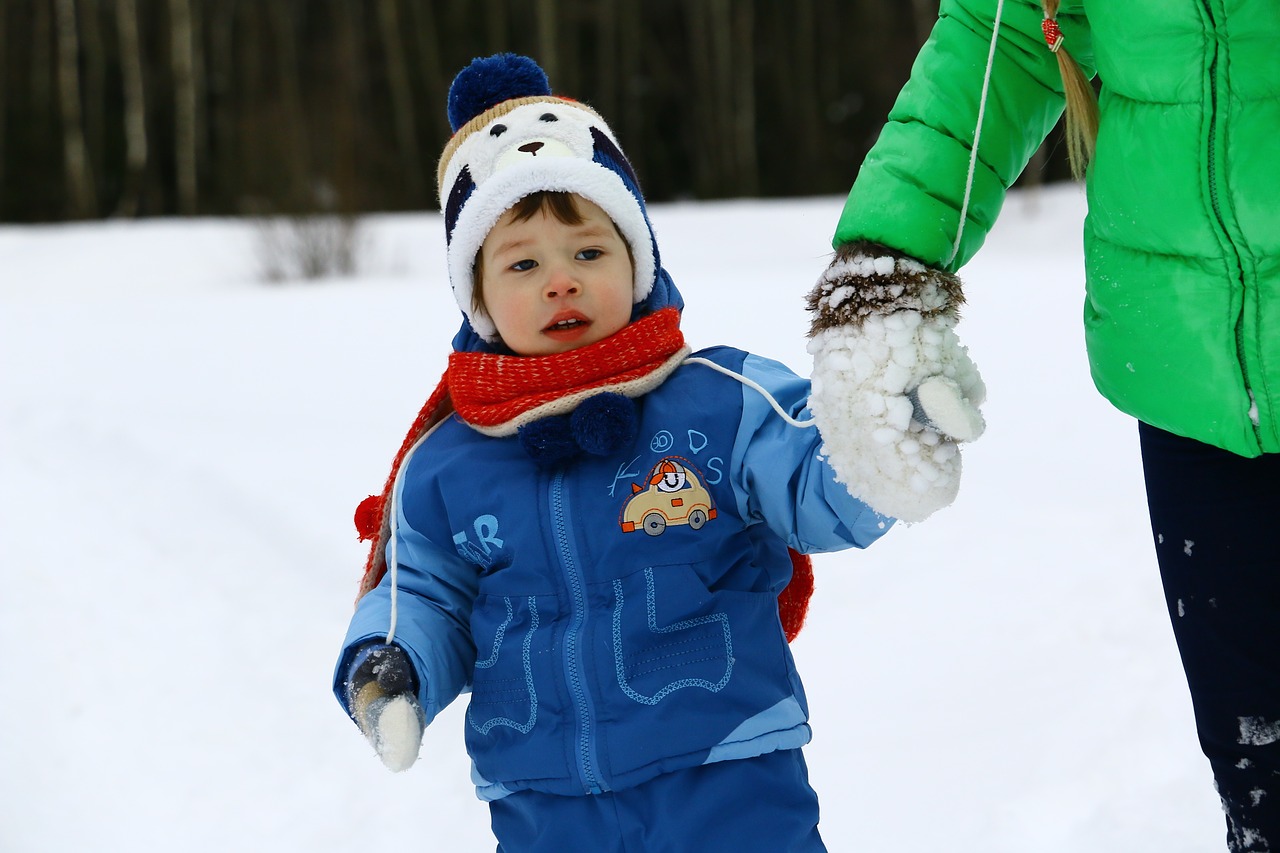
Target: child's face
551,287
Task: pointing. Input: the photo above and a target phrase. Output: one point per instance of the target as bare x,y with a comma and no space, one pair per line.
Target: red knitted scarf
497,394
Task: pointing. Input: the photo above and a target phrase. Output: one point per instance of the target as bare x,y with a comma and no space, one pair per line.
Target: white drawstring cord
977,132
393,569
393,561
755,386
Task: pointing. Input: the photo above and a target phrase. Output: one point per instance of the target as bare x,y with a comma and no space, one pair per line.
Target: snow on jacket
1182,238
616,618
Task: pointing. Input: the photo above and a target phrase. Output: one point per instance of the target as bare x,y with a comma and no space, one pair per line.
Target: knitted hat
512,138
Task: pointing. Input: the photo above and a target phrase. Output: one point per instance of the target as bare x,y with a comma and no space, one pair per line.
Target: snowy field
181,449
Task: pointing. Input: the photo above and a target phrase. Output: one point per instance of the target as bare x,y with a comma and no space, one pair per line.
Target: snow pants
1215,517
750,805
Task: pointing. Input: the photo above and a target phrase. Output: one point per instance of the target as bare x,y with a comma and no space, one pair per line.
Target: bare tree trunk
42,65
548,46
182,50
497,24
427,26
199,85
135,107
804,95
722,74
349,129
257,187
4,88
404,115
606,22
741,68
630,26
225,180
289,69
711,44
75,158
93,56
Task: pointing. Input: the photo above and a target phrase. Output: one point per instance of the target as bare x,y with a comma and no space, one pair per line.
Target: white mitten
894,392
395,731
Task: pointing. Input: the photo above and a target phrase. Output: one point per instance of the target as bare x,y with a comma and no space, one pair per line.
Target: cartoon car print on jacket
675,495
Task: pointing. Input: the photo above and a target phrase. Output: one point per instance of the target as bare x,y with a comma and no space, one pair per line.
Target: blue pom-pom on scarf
604,423
548,441
601,425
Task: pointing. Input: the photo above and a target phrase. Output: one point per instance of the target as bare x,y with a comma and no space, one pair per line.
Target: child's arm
435,591
780,477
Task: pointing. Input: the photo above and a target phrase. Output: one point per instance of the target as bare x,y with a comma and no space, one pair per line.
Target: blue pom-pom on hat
489,81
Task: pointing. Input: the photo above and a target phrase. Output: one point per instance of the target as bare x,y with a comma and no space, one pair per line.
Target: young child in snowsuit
588,528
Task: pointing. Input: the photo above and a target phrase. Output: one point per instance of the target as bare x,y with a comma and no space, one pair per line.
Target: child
587,528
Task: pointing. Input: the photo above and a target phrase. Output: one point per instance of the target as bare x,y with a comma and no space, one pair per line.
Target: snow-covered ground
181,449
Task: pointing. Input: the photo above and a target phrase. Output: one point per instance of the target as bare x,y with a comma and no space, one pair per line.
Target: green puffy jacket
1182,239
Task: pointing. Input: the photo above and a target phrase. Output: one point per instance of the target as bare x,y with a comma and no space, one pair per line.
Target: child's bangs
561,205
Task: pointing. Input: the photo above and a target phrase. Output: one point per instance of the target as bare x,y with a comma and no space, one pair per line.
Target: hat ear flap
610,156
461,190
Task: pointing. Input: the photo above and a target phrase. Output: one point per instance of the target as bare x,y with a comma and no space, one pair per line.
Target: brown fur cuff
867,278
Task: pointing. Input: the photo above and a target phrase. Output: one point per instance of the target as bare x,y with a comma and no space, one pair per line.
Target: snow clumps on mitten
894,392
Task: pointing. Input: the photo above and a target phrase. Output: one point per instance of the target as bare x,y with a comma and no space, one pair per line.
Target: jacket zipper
574,666
1233,255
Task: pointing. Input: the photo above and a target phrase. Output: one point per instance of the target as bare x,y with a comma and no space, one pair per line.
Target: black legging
1215,517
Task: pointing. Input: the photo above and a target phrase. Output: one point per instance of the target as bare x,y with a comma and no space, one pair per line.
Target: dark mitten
381,692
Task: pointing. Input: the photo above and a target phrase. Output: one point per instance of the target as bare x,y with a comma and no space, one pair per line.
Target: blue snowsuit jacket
616,618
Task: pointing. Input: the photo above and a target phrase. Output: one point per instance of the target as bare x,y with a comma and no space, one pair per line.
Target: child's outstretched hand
894,392
381,694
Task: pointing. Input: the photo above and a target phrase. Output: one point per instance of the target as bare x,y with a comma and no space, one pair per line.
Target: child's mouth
567,329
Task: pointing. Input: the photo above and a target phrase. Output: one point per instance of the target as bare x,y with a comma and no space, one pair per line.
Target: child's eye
589,254
524,266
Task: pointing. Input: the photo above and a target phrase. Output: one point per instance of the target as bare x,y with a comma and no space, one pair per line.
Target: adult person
1182,315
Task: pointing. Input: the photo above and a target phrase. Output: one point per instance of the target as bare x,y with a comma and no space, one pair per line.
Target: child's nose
559,284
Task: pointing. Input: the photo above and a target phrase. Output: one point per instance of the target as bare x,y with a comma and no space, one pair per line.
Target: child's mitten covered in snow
381,694
894,392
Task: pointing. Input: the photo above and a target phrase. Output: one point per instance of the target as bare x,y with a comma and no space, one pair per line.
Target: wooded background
228,107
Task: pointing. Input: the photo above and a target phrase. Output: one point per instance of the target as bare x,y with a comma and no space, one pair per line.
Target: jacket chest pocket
668,635
504,690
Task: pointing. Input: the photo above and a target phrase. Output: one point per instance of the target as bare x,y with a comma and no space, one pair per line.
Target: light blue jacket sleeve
779,477
435,593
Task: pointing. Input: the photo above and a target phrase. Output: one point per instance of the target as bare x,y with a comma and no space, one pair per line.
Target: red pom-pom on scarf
793,602
369,517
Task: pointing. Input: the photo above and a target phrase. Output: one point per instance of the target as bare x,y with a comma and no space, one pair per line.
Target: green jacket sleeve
910,189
